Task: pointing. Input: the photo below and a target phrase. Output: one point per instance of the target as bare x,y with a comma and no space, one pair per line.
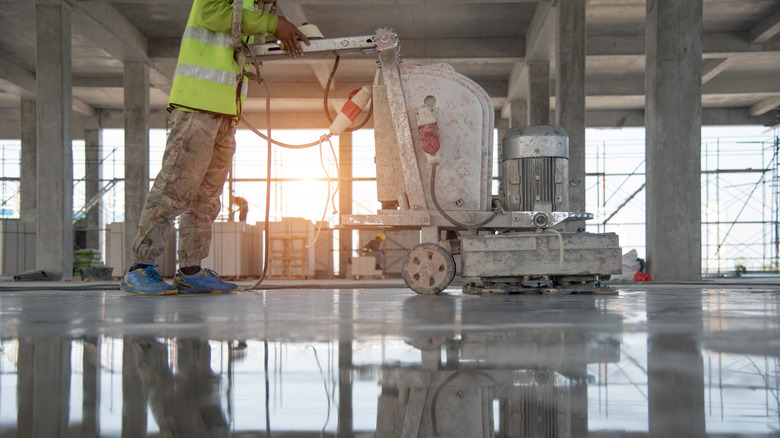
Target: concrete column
90,402
673,138
502,125
518,116
538,93
675,366
51,386
93,149
25,383
29,172
53,139
570,93
136,83
345,199
134,394
346,334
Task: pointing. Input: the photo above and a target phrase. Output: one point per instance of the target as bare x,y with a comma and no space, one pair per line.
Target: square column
29,170
502,125
518,113
93,151
43,387
345,200
673,139
675,365
570,94
136,82
538,93
54,139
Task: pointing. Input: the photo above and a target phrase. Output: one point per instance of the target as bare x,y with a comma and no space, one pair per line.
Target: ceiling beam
516,84
115,81
742,85
710,117
463,48
765,106
100,22
714,66
714,45
540,36
15,79
538,45
635,85
766,29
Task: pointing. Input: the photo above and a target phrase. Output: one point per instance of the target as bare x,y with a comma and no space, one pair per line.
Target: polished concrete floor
375,359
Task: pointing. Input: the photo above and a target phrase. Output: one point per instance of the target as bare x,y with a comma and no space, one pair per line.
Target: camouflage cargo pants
195,165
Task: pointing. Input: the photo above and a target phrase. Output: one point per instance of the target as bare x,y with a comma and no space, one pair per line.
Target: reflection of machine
511,383
434,159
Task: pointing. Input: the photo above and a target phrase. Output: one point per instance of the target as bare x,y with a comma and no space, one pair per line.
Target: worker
374,248
204,103
243,208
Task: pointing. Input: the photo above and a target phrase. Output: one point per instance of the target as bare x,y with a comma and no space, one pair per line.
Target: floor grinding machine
434,164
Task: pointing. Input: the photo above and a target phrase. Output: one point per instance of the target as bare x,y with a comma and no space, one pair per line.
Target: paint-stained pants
195,165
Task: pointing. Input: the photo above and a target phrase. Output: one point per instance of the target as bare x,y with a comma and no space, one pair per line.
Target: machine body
434,162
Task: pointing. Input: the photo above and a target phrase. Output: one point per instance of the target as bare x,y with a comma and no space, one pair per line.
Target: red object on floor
642,276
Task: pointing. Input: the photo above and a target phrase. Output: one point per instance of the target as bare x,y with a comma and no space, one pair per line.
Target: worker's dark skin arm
288,34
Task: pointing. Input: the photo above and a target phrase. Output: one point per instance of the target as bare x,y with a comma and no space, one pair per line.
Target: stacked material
86,258
89,264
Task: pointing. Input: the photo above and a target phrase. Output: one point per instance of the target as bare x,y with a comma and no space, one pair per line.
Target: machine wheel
428,268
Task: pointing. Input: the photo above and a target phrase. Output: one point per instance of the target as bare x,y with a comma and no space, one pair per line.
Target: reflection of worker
185,403
373,248
243,208
204,106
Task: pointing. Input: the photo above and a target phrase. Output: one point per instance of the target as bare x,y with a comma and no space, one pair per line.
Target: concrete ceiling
489,41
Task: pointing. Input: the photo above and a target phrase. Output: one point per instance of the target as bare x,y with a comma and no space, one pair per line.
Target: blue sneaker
146,281
204,282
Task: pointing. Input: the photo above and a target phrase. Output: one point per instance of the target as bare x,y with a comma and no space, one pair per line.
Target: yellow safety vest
206,72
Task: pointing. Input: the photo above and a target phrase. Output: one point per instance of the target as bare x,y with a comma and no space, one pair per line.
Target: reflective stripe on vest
206,73
209,74
210,38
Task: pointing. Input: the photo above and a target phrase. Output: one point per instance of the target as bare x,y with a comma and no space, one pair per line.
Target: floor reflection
460,366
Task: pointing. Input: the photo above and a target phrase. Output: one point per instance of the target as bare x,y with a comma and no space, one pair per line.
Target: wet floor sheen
656,360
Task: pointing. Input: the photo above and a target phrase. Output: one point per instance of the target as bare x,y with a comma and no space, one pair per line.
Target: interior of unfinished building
575,207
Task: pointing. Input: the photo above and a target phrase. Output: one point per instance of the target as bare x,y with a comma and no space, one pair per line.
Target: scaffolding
740,198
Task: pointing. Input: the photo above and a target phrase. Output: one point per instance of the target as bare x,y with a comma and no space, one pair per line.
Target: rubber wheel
428,268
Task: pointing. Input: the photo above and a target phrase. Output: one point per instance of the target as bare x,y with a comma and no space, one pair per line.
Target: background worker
374,248
243,208
204,104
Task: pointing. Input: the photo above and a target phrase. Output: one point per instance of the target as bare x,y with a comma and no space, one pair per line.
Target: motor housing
535,161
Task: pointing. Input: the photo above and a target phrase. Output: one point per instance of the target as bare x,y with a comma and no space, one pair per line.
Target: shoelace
151,272
210,272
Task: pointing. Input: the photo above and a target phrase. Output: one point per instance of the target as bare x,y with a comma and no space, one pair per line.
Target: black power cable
327,93
452,220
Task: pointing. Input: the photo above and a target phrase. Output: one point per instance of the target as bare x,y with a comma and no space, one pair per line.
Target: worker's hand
288,35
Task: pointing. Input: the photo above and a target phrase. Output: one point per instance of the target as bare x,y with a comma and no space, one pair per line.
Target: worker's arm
217,16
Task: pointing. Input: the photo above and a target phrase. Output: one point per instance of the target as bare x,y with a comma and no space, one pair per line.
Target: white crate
363,266
234,250
282,234
17,247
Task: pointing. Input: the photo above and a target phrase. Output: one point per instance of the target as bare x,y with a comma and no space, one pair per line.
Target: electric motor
535,161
